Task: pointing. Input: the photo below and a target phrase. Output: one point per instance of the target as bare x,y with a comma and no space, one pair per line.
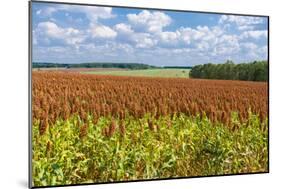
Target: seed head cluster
61,95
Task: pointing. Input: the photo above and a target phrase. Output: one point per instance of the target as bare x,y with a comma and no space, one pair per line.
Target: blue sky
74,34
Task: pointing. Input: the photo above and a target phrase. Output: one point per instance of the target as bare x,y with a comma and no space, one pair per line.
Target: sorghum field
92,128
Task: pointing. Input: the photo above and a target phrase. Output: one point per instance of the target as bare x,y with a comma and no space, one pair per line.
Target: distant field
175,73
79,69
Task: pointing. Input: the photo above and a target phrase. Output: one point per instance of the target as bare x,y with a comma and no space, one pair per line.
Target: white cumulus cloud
101,31
169,38
143,40
242,22
255,34
150,21
93,13
123,28
47,31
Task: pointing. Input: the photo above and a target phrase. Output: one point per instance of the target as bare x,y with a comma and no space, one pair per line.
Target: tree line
133,66
254,71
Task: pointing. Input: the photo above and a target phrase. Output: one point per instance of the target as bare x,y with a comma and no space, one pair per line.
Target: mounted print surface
124,94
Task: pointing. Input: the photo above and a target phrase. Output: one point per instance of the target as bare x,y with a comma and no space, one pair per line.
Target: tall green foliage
147,148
